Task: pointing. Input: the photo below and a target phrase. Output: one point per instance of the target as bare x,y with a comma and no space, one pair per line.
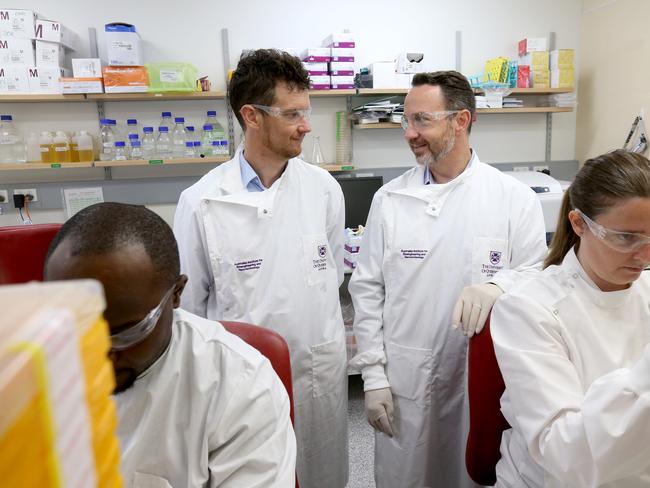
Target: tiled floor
361,438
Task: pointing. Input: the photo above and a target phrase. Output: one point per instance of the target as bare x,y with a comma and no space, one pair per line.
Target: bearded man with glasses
261,239
196,405
449,222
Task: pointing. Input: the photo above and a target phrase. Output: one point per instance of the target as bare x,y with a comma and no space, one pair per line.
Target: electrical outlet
520,168
4,196
27,191
540,168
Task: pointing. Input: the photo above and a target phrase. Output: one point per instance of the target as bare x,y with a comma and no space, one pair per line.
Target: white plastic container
33,148
85,146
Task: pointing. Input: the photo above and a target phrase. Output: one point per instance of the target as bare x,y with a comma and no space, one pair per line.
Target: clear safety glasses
424,120
139,332
619,241
293,115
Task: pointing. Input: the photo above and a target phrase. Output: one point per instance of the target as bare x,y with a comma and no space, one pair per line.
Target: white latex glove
473,307
379,410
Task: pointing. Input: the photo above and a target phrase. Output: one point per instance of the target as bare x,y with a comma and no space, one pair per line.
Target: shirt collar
428,177
249,178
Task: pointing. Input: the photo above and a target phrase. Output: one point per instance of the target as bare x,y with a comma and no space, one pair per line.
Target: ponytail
564,238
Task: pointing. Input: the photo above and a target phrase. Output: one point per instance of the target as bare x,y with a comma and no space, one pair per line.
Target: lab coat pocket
143,480
328,363
489,256
409,372
317,258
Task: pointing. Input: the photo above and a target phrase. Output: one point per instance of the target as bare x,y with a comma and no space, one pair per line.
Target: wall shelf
39,166
158,162
332,93
130,97
28,98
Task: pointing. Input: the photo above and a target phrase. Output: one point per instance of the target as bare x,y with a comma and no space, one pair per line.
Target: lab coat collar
604,299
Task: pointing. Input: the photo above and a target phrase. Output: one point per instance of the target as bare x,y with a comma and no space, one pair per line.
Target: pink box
342,39
316,69
319,82
341,69
316,55
342,55
342,82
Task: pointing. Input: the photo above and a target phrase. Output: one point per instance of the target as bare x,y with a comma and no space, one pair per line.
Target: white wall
190,31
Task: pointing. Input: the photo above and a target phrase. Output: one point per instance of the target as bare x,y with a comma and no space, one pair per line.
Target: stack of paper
376,111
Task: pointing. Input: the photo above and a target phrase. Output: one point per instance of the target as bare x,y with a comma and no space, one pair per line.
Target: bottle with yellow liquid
85,148
74,148
47,147
61,148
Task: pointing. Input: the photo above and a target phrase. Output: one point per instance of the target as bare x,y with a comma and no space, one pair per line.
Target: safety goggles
424,120
293,115
139,332
619,241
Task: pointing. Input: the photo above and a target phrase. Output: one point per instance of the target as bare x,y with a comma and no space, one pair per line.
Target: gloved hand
379,410
473,307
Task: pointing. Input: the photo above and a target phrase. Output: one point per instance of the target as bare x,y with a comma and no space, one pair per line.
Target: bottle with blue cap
107,136
132,128
207,137
189,150
166,120
148,143
12,149
163,143
121,152
179,138
136,149
212,118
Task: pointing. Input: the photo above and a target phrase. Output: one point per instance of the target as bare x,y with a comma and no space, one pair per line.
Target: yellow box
562,59
540,78
536,60
562,78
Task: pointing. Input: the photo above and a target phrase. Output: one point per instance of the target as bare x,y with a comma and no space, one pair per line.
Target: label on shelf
55,165
155,161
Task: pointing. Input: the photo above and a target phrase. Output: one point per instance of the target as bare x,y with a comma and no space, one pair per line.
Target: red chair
22,251
273,347
486,422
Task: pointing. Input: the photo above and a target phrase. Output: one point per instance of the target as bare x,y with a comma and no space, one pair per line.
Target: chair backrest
271,345
486,422
22,251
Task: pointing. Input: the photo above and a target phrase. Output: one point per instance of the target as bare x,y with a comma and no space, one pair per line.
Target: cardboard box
45,80
316,69
562,78
316,55
562,59
123,45
17,24
16,51
342,54
81,85
342,82
540,78
52,31
50,54
341,39
319,82
86,68
123,79
532,44
523,76
13,79
341,69
536,60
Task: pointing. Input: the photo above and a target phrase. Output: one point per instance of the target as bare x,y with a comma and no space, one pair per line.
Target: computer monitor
358,193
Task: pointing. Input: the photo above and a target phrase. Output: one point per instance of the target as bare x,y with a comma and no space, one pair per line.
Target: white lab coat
210,412
576,364
275,259
422,245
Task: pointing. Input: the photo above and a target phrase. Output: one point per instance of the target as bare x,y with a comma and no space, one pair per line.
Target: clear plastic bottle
33,148
207,137
12,148
107,136
198,150
189,150
85,148
61,147
223,148
166,121
132,128
179,138
74,148
148,144
212,118
215,150
136,149
121,152
47,147
163,143
218,133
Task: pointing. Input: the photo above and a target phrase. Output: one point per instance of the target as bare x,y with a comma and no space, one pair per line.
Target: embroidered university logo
495,257
322,251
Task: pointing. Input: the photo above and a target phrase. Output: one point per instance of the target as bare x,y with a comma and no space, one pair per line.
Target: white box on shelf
123,45
86,68
342,54
342,82
316,55
13,79
383,74
81,85
53,31
319,82
16,51
341,69
316,69
403,80
17,24
49,54
339,39
45,80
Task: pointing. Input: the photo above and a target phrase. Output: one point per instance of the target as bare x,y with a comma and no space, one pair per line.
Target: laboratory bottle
215,149
223,148
33,148
121,152
212,118
132,128
47,147
61,147
218,134
189,150
179,138
148,143
107,137
85,149
166,121
136,149
317,154
207,136
163,143
74,148
12,149
198,150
